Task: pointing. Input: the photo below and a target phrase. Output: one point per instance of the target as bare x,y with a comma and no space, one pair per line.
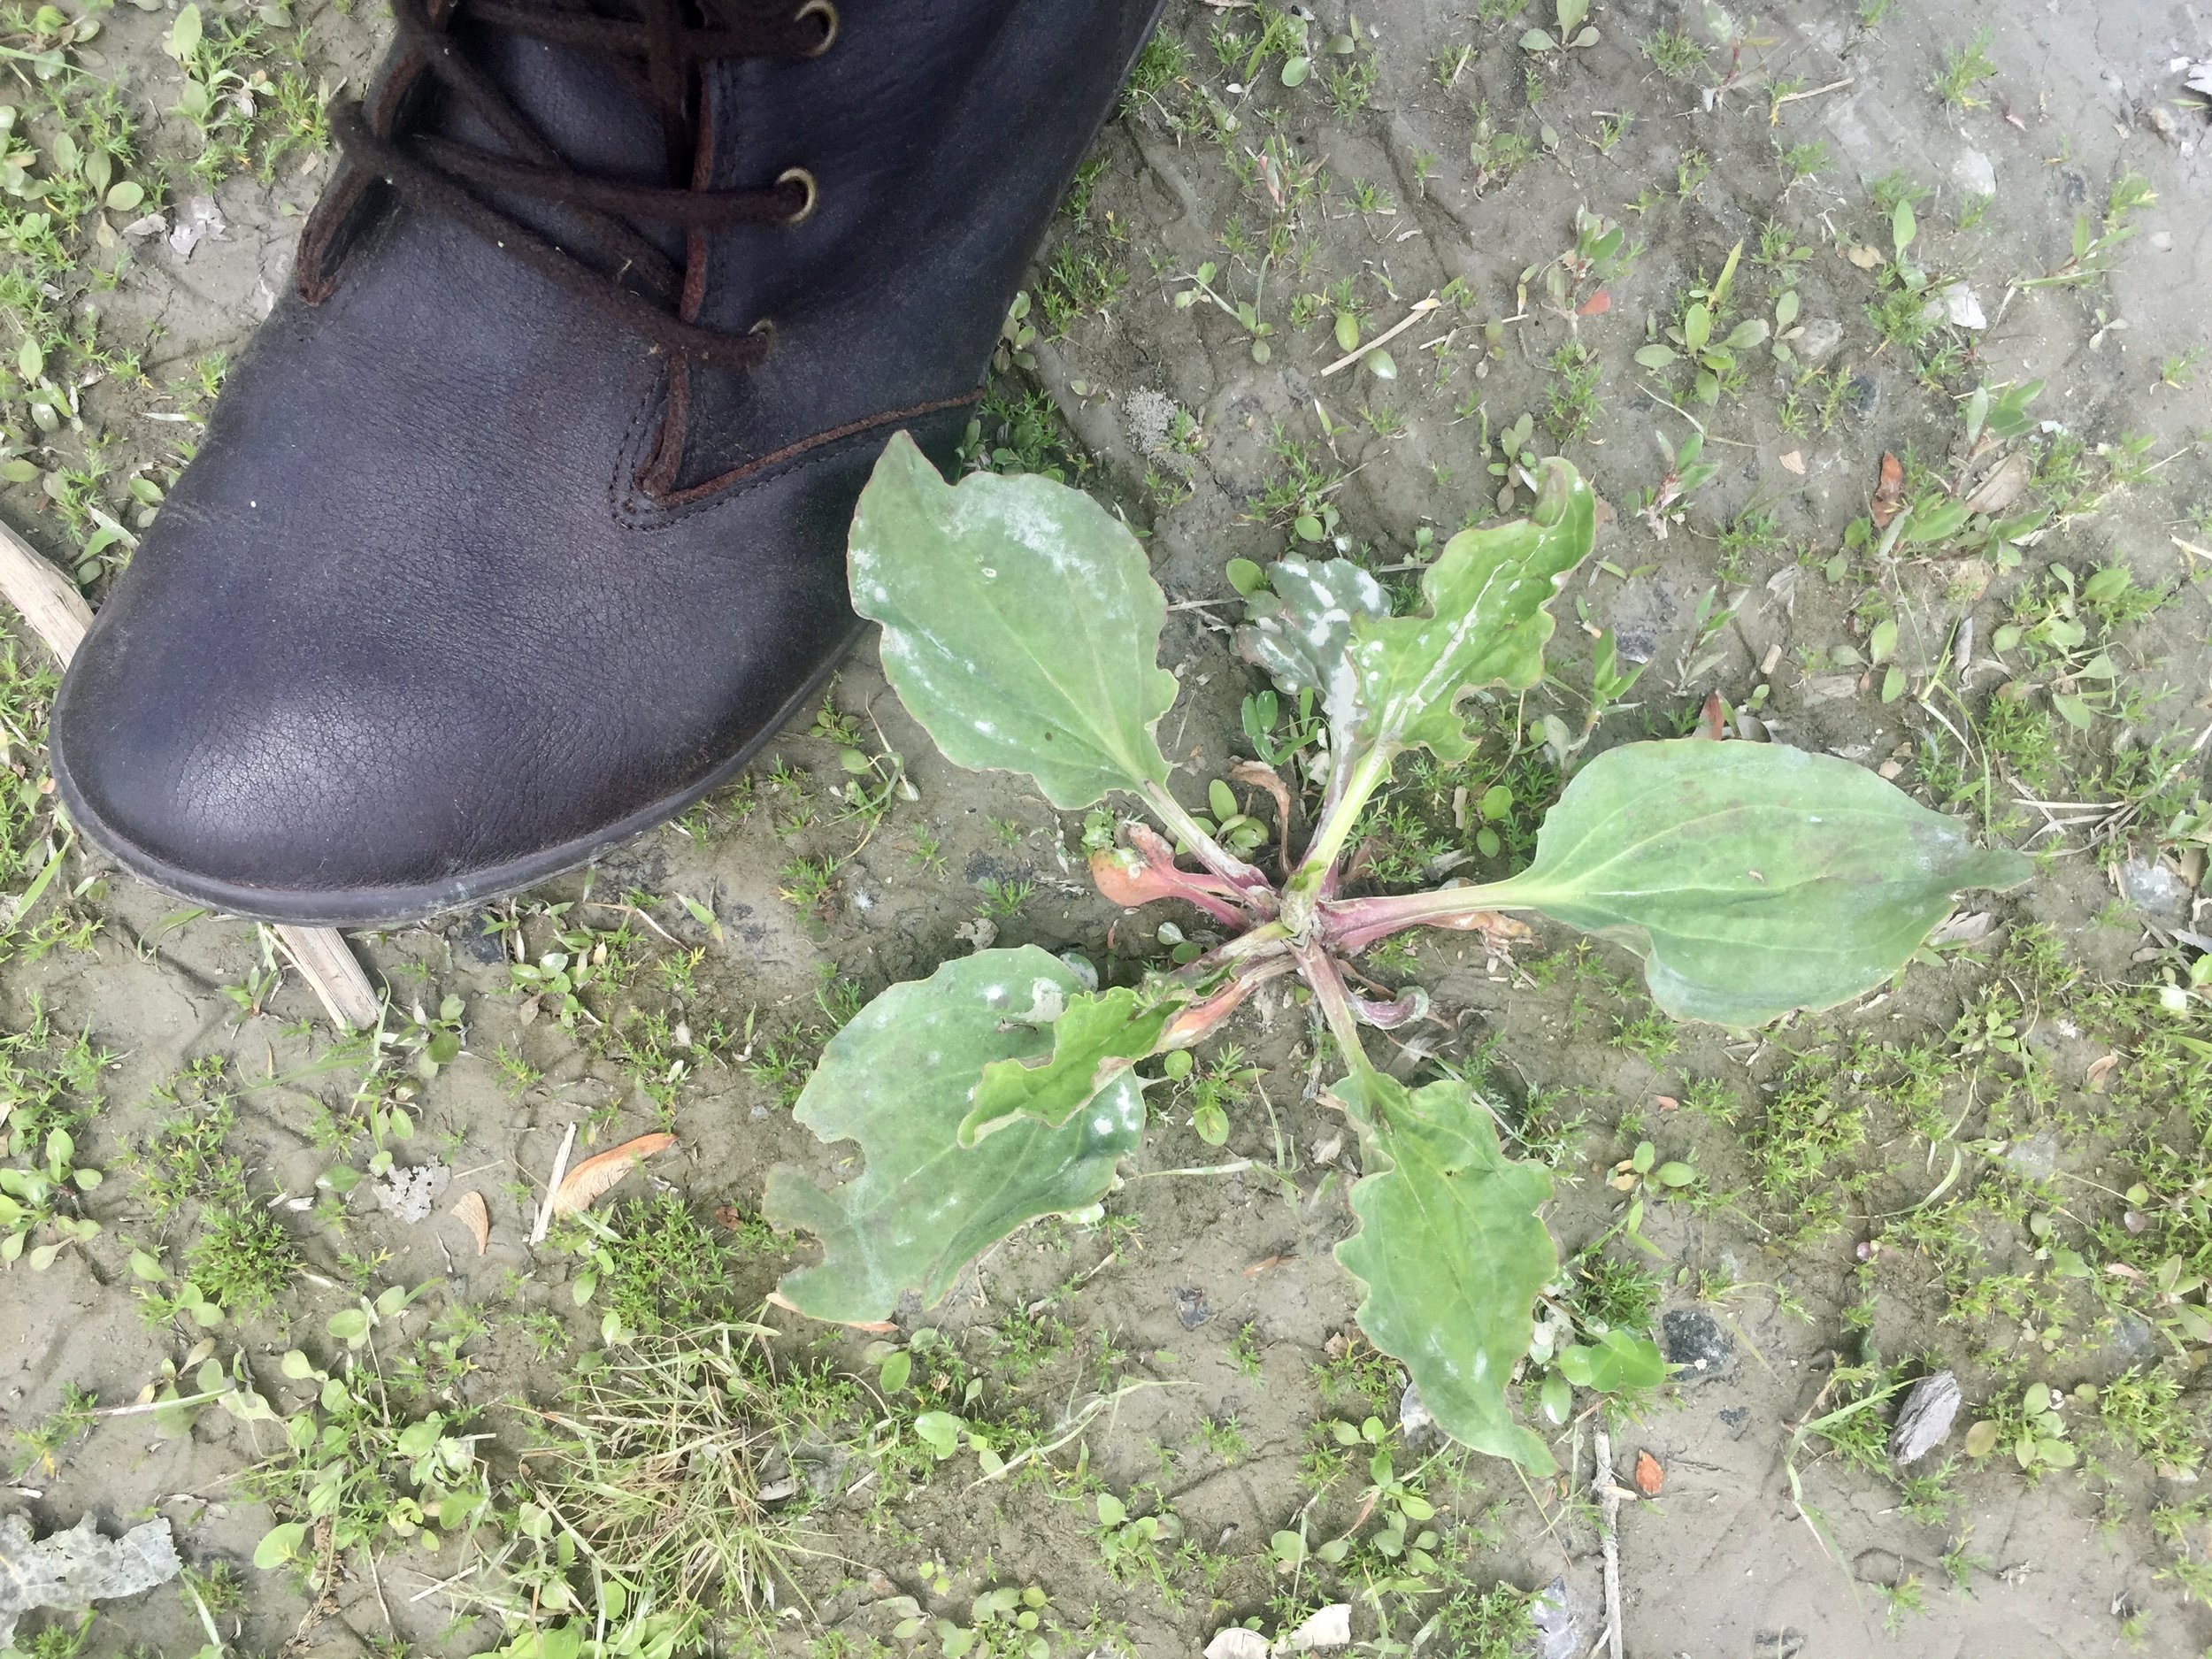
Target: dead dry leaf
2005,485
1651,1477
1889,494
776,1299
1963,927
66,1572
1793,461
1866,255
595,1175
473,1213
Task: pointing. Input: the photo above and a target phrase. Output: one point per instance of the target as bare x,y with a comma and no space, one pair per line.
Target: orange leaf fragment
1650,1476
1889,494
595,1175
1597,304
471,1212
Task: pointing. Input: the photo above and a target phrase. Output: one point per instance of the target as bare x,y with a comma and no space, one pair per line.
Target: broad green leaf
1753,878
1096,1037
940,1431
184,34
1615,1361
1451,1253
1020,624
1939,522
279,1545
897,1080
1299,629
1486,623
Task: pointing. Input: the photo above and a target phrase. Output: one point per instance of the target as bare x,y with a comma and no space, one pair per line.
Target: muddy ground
1221,1289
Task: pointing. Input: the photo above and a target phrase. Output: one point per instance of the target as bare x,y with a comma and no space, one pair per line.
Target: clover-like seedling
1021,627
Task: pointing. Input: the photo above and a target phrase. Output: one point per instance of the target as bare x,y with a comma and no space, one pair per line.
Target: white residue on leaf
1048,1003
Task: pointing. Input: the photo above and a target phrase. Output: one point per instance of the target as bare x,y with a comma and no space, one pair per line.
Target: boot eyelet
800,175
827,12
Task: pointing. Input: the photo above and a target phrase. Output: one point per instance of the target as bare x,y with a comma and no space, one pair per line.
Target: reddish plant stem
1254,890
1318,969
1192,1025
1352,925
1159,877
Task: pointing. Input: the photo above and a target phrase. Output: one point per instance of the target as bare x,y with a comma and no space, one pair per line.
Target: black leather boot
520,524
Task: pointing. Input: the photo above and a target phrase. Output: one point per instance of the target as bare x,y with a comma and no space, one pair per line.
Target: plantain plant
1020,629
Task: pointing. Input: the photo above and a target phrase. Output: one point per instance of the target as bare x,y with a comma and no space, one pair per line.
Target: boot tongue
581,104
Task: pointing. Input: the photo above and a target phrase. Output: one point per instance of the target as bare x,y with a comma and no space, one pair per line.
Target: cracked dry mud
1724,1563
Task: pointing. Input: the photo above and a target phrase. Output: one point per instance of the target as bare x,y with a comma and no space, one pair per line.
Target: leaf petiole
1339,817
1319,971
1252,888
1352,925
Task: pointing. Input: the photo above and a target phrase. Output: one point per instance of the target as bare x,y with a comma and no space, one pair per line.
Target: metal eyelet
813,193
827,12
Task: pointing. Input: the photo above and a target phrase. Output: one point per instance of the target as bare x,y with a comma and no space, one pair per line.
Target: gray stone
1924,1422
1558,1633
1694,1340
1976,174
1819,341
2155,890
2035,1156
1414,1421
409,1190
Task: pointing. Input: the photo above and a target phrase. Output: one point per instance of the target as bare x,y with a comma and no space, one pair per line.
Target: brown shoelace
658,55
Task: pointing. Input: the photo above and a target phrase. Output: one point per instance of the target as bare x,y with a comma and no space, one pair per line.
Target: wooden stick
58,615
1833,86
1608,1496
553,1185
1421,309
332,972
49,599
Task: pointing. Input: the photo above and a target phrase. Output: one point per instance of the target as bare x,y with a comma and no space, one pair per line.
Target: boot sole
401,906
